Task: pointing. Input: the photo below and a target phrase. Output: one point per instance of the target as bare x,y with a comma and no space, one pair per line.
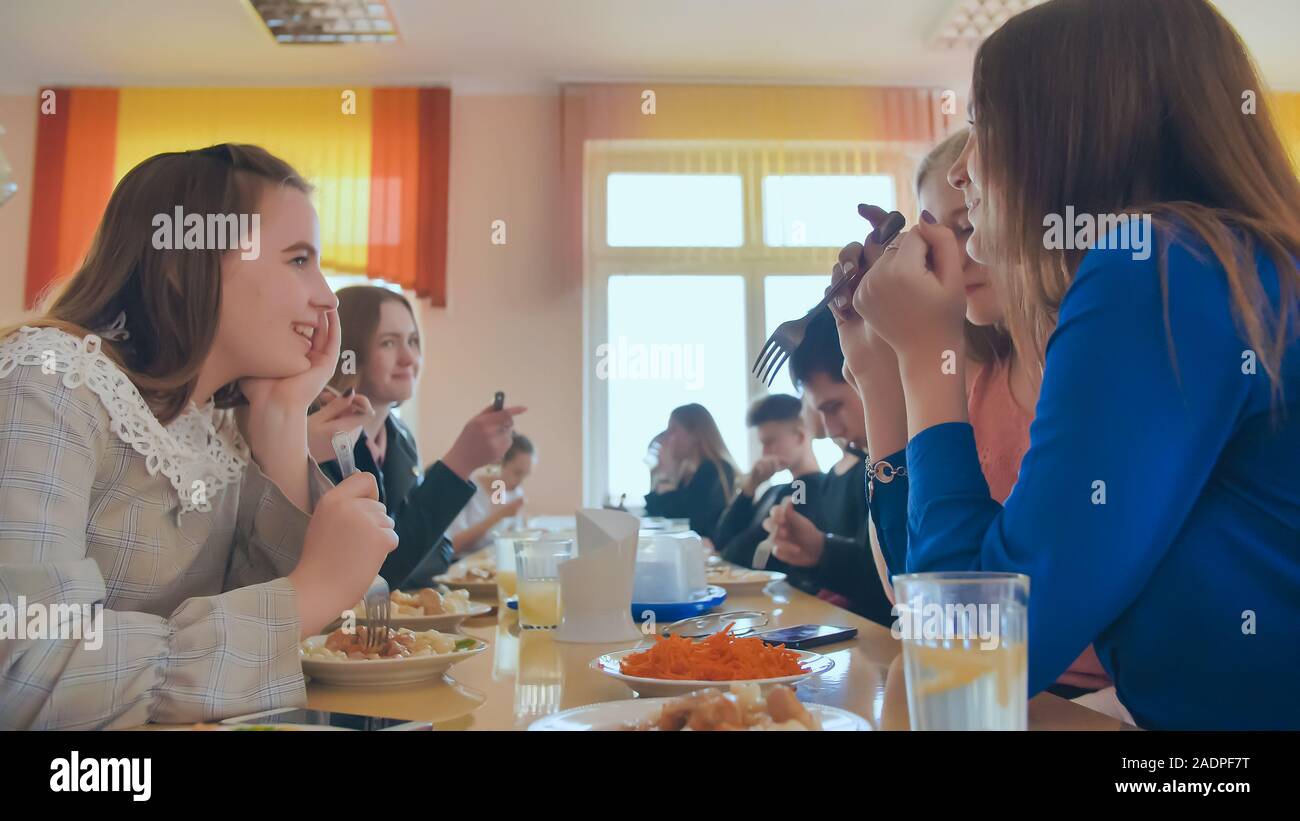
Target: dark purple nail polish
928,217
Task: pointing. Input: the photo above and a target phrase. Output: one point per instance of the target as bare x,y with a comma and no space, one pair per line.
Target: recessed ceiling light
293,22
968,22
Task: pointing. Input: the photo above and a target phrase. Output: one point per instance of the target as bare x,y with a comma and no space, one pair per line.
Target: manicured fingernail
846,267
928,217
841,301
349,391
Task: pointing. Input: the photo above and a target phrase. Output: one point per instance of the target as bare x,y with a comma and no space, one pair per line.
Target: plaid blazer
174,531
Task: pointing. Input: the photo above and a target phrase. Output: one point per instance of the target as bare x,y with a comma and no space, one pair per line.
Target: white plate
380,672
445,623
750,583
608,664
612,715
476,587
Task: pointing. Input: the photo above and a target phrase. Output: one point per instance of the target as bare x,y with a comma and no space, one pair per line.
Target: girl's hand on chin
914,295
296,393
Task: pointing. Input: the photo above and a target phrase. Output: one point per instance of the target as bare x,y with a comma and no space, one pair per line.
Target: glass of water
965,658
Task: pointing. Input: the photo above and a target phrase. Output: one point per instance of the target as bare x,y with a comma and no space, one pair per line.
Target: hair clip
117,332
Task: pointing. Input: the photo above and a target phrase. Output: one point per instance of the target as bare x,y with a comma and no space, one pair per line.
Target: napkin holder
596,584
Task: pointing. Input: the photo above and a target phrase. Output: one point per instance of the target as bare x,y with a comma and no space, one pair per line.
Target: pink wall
514,323
514,320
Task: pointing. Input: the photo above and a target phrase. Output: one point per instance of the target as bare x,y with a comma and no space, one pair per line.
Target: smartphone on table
301,717
805,636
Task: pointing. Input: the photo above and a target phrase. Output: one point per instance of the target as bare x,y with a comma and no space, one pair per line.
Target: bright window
820,210
702,248
674,210
673,340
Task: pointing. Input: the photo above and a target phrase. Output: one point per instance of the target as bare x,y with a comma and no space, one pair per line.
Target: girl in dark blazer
379,327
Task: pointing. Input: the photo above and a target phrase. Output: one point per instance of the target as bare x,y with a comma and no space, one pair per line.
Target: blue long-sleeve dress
1157,511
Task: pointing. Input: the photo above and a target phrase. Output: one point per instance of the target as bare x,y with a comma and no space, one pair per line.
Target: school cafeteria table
526,674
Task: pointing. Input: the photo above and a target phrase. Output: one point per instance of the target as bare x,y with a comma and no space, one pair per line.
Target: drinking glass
537,563
964,649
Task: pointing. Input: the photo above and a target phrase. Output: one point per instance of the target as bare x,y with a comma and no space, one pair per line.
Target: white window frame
753,260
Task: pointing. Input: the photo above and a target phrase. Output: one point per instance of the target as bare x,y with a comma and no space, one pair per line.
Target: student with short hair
787,445
828,542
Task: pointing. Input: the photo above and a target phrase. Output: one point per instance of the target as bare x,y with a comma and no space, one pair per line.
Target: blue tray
674,611
667,611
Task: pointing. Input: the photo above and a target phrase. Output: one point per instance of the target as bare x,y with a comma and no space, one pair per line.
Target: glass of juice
504,553
538,581
964,649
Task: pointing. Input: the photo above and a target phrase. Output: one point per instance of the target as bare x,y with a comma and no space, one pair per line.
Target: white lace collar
199,459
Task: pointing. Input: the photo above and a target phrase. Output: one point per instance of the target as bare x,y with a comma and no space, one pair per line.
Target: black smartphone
320,718
804,636
499,401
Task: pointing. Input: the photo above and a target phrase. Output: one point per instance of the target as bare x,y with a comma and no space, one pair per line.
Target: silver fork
788,336
378,614
377,601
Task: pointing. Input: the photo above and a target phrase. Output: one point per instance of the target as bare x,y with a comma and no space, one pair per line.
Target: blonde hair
984,343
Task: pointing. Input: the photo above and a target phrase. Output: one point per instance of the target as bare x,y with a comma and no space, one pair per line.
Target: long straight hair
1133,106
698,422
171,298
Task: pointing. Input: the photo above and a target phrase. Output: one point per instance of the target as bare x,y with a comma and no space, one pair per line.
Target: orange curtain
75,138
380,172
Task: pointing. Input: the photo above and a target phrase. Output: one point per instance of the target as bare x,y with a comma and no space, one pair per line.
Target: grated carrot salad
720,657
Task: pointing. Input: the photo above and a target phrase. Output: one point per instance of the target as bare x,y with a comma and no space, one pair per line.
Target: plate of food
743,707
427,609
741,581
406,656
478,578
676,665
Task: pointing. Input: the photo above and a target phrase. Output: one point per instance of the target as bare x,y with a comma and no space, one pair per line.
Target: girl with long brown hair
380,330
696,474
1157,510
1001,389
209,545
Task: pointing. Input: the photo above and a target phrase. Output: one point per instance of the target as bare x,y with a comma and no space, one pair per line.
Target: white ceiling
522,45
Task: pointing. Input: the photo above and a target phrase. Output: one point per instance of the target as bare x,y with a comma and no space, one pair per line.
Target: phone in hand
499,401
